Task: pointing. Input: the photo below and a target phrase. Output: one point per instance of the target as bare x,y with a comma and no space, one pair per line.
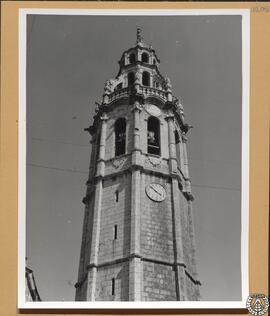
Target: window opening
145,58
132,58
119,86
120,137
176,135
131,78
116,196
146,78
153,136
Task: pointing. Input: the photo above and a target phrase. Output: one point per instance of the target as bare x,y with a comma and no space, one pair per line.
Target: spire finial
139,35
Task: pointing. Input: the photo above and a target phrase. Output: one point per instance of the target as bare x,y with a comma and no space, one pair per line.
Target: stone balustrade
147,91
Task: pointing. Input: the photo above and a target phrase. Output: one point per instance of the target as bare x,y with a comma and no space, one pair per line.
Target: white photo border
21,303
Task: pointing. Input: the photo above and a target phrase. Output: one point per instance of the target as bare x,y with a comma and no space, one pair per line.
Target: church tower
138,235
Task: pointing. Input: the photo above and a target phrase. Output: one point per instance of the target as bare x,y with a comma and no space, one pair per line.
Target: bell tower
138,235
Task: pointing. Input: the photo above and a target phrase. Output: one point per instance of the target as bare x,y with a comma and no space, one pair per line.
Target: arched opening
119,86
120,137
153,136
145,58
177,146
154,61
146,78
131,78
132,58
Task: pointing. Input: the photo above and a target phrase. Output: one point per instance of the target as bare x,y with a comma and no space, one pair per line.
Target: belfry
138,239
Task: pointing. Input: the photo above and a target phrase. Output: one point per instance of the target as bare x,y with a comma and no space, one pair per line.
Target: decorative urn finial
139,35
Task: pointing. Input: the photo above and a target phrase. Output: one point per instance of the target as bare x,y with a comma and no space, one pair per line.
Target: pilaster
82,266
136,151
185,157
182,166
190,219
93,156
94,243
172,149
135,261
102,144
178,243
185,165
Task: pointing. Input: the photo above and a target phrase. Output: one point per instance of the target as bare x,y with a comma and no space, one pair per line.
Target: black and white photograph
134,158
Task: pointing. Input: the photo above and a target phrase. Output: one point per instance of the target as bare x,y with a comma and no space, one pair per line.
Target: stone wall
120,274
158,282
156,223
115,213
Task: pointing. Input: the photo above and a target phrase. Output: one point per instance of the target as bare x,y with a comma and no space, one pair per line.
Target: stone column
151,83
138,80
169,89
136,133
139,56
126,59
172,149
178,243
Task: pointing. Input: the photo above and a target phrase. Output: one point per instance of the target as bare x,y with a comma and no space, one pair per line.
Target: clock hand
155,190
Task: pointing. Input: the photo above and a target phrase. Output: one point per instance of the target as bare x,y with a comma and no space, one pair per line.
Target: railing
117,94
120,93
153,91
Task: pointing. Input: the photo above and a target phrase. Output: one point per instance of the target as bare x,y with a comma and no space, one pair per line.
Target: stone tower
138,236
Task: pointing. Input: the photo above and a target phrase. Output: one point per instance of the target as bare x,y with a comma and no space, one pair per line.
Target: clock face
153,110
155,192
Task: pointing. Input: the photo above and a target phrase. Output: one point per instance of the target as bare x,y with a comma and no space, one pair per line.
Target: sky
69,58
